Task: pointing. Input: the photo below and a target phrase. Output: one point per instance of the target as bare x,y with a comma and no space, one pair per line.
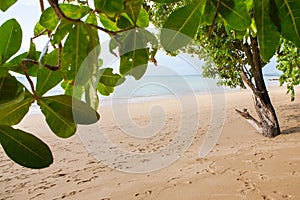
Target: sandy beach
242,165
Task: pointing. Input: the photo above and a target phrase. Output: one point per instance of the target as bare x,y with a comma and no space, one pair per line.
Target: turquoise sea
157,87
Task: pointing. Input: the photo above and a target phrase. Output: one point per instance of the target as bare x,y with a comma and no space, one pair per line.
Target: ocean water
156,87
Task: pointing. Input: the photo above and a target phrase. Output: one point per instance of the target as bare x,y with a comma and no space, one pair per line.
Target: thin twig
55,6
59,55
28,77
50,67
38,35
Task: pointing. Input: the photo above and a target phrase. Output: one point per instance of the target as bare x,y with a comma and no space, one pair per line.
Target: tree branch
50,67
42,5
250,119
55,6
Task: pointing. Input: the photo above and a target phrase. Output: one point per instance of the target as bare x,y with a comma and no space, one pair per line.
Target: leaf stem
28,78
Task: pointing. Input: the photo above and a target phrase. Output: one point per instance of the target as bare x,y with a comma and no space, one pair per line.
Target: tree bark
267,124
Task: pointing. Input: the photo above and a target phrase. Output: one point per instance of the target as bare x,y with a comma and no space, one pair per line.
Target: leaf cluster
288,61
71,59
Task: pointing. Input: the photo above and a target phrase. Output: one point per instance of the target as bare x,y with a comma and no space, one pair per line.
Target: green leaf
24,148
132,40
268,35
289,15
91,96
62,30
111,8
124,22
93,36
71,90
108,23
46,80
181,26
74,11
133,10
75,50
104,90
143,19
152,40
63,112
13,112
15,64
108,78
5,4
38,28
235,13
48,19
207,17
10,40
59,117
10,88
134,63
32,54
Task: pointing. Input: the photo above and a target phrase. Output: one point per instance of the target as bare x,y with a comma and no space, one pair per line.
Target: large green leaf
235,13
181,26
5,4
58,115
48,19
10,88
13,112
268,35
108,78
134,63
15,64
10,39
289,15
75,50
134,52
63,112
46,80
24,148
64,27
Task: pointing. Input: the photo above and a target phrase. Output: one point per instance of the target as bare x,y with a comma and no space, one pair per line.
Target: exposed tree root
250,119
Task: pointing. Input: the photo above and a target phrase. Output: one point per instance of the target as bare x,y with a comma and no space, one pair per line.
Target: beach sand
242,165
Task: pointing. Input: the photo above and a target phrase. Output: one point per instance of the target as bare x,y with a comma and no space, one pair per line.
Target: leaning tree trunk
267,124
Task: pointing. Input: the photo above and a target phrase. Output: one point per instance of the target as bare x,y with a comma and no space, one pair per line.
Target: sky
27,13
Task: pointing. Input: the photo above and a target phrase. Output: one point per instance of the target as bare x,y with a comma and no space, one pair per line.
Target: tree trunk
268,123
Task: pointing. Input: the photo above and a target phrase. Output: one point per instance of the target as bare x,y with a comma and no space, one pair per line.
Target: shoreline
243,164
